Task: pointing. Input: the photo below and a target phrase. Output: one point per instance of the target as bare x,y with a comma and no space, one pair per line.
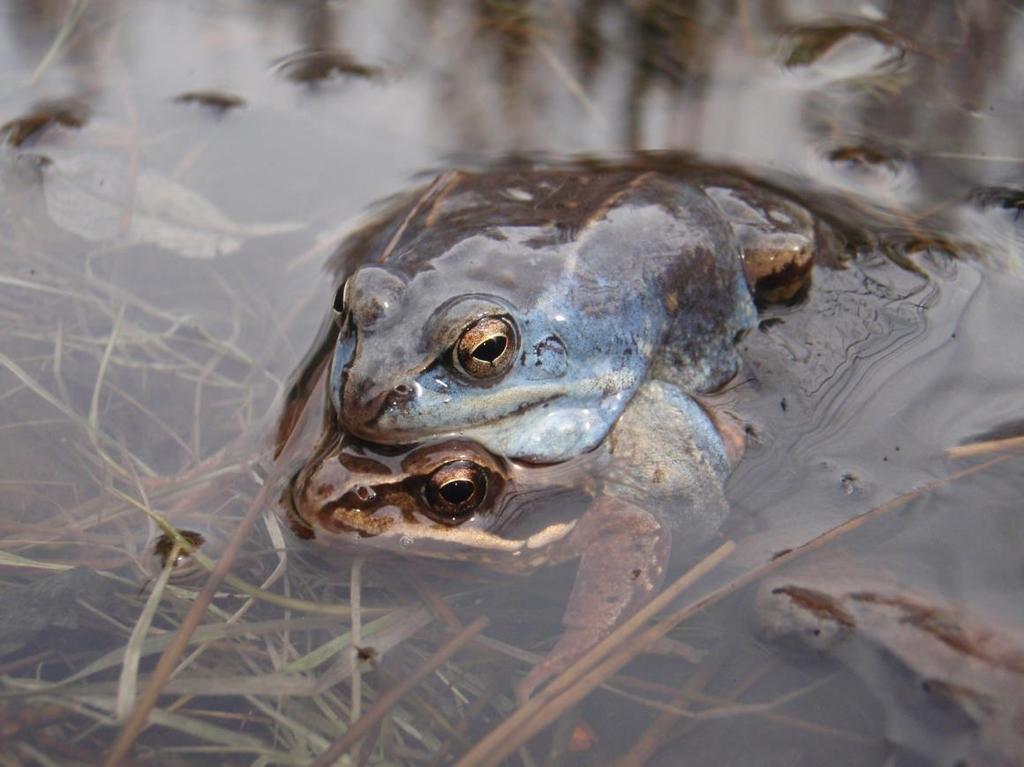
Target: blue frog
523,309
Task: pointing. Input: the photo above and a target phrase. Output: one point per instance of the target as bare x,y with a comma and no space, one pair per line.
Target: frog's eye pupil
339,299
490,349
458,491
486,349
454,491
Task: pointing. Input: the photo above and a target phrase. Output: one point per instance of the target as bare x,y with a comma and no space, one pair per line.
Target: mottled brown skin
622,550
616,509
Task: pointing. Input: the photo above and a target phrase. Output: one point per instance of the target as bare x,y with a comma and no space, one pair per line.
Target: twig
986,447
434,602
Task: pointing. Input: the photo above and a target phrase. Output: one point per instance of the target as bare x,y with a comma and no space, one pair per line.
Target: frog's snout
368,405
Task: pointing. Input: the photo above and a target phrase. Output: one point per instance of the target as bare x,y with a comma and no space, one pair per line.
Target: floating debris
165,545
67,112
101,202
218,101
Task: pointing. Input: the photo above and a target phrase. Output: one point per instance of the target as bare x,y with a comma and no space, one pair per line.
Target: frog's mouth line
372,427
481,540
356,524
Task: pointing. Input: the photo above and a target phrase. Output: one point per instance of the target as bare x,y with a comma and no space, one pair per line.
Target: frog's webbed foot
623,553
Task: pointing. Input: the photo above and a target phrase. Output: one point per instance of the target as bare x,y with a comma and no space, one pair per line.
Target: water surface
172,180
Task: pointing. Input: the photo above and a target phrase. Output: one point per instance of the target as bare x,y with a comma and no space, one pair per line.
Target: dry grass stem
355,602
133,648
984,448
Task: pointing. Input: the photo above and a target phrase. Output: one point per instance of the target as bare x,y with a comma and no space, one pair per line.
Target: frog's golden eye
342,308
487,348
455,490
340,305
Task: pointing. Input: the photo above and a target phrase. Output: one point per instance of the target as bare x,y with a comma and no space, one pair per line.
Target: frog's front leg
623,551
667,464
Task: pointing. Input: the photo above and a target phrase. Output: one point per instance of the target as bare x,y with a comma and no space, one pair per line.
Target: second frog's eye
340,306
455,490
487,348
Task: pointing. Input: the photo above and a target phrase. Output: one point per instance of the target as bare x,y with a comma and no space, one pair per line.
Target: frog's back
552,206
644,247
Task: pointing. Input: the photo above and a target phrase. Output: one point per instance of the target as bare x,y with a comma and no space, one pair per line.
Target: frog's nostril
403,392
359,497
374,404
364,493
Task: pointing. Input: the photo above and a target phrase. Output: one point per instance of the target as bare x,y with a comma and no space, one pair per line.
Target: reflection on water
173,178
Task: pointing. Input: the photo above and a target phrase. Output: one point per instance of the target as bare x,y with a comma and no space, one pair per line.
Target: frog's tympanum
656,479
524,309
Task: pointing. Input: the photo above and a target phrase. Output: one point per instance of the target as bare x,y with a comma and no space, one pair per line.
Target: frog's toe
539,676
573,644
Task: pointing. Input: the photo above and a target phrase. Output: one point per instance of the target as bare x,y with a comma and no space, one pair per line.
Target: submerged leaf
100,204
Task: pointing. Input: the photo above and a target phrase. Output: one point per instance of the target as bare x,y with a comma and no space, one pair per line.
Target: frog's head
445,499
429,355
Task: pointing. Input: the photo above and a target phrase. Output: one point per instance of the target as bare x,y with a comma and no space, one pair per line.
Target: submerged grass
273,663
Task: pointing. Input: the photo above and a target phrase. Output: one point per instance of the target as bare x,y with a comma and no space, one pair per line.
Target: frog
524,308
917,652
650,493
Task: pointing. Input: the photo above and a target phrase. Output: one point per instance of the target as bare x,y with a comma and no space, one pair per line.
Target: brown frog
655,483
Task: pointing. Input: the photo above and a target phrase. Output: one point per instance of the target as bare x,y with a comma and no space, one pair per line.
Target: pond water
173,179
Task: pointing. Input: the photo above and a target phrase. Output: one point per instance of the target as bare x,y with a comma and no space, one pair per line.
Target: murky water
175,176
